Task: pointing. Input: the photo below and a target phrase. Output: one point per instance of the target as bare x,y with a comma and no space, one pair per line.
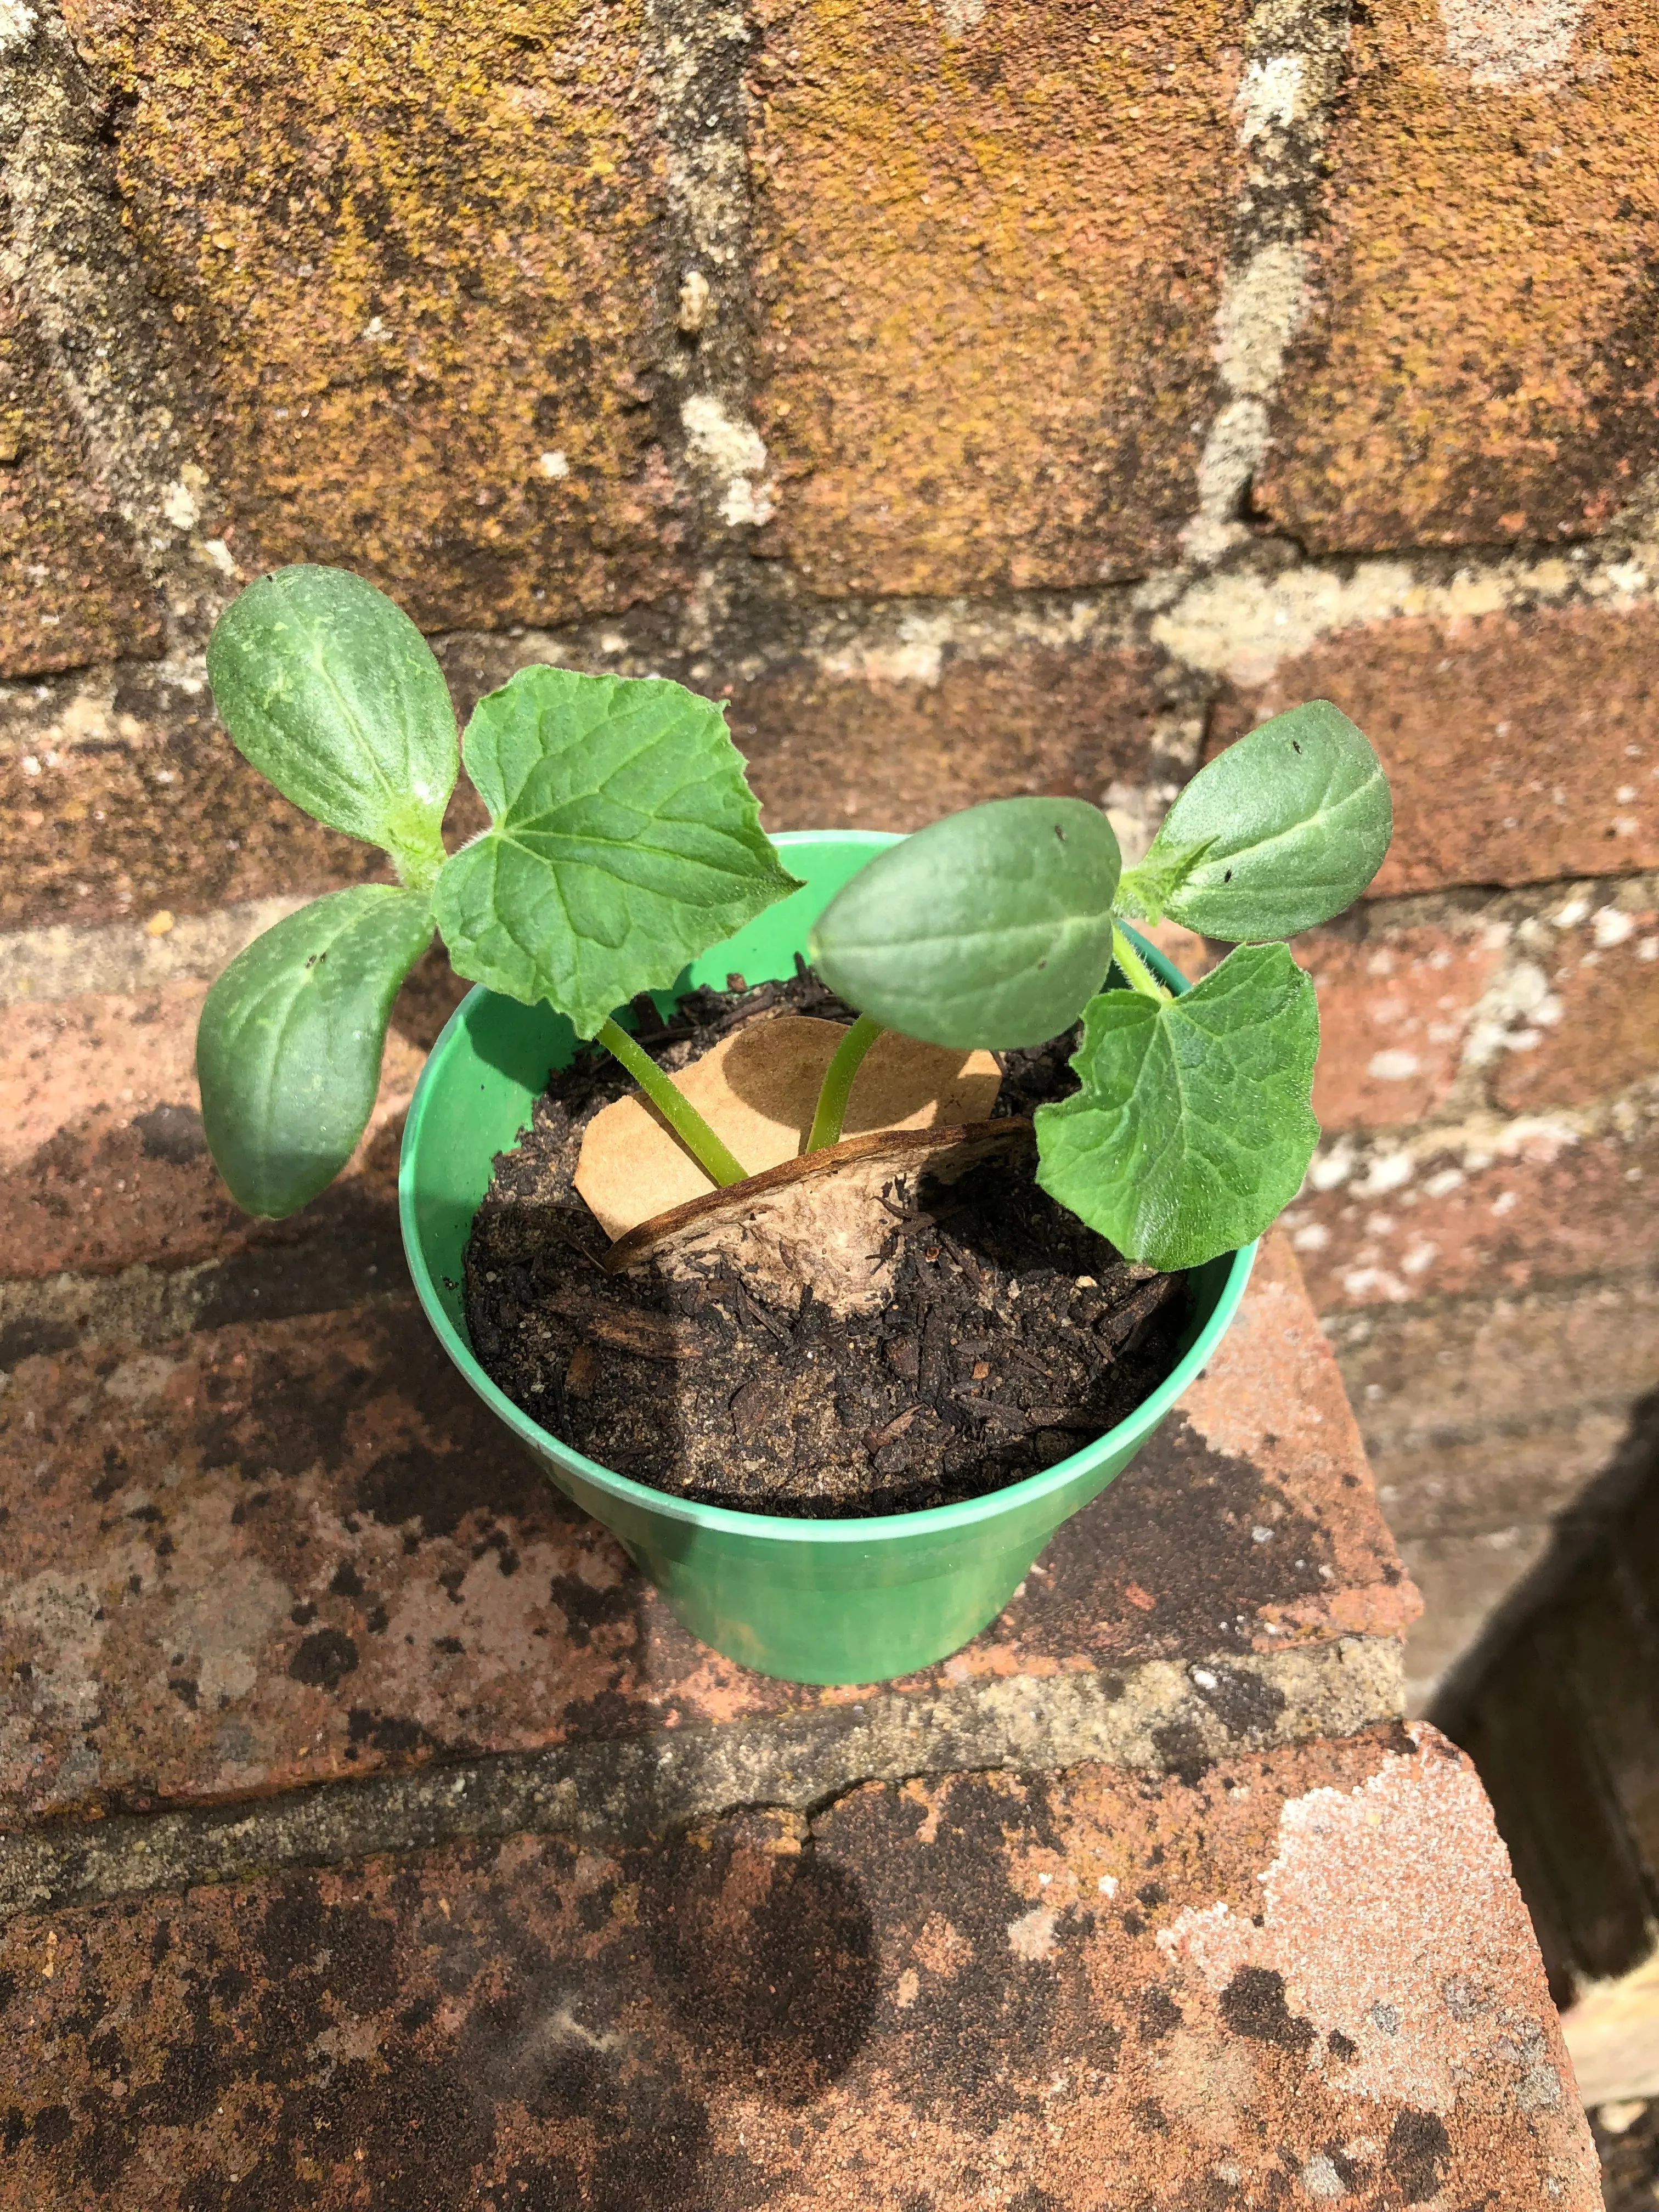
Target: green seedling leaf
624,841
330,689
289,1050
1193,1128
992,927
1282,830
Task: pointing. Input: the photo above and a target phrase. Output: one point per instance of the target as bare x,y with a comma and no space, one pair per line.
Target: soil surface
1014,1335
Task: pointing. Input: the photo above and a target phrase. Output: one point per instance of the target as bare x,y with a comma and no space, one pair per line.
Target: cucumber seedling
1192,1126
624,842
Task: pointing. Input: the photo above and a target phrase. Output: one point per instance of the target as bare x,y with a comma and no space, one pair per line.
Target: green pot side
855,1601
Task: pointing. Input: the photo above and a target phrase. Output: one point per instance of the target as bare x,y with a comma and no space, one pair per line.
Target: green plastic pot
811,1600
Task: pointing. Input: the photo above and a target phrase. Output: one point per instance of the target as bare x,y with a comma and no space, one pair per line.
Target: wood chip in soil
1013,1337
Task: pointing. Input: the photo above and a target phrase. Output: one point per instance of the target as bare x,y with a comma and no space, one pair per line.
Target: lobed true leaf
623,842
1193,1128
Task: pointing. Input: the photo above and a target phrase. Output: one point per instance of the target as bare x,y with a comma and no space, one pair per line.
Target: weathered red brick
124,796
1521,747
304,1548
1489,1423
102,1160
894,751
121,795
71,590
1313,1964
1478,366
1394,1015
1545,1205
1425,1379
1597,1033
1484,1488
1485,1419
414,257
1470,1580
990,251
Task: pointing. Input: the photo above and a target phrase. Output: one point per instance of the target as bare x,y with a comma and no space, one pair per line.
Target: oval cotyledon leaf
328,688
291,1037
991,928
1282,830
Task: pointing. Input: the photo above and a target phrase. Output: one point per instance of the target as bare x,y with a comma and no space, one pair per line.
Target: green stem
1138,975
676,1108
417,867
831,1110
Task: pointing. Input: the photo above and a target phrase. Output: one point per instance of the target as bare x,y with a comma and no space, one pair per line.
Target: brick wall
981,396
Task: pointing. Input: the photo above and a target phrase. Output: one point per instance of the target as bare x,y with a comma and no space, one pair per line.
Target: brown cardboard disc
757,1089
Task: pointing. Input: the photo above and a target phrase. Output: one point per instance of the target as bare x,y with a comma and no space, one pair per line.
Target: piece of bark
826,1222
757,1089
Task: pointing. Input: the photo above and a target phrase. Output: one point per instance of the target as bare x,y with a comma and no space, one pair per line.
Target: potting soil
1014,1335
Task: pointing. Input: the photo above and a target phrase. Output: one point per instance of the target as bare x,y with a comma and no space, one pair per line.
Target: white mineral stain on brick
1612,927
1242,626
1332,1169
1261,308
17,21
1506,43
733,449
1320,2179
1518,996
1269,95
1387,1171
56,1622
1032,1935
1428,1997
136,1381
1280,108
228,1607
915,655
181,504
63,961
1393,1066
1259,315
1535,1137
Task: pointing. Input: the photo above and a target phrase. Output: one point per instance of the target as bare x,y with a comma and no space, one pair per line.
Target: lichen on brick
1480,367
71,589
989,247
411,249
